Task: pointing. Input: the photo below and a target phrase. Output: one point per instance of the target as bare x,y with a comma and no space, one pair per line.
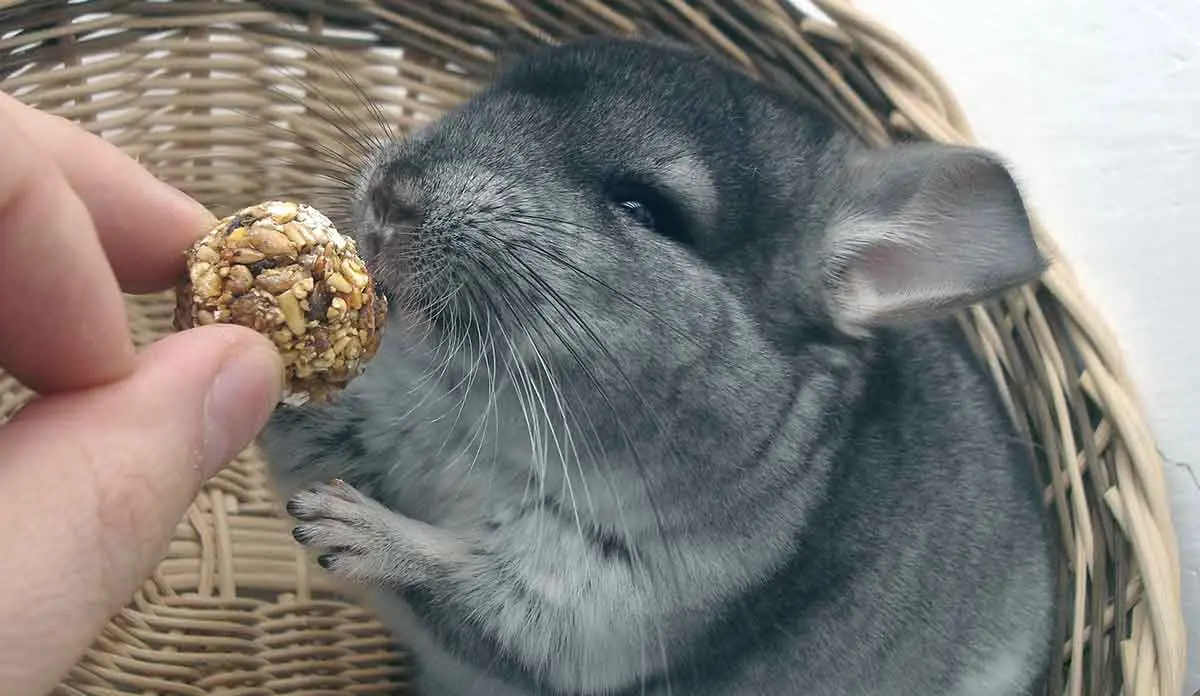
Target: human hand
96,474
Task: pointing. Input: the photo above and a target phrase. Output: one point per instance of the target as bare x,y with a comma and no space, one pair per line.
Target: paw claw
356,537
345,491
306,504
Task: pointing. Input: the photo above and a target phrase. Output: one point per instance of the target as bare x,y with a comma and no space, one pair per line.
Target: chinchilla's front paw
360,539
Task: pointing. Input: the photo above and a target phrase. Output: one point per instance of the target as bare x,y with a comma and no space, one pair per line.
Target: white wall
1097,104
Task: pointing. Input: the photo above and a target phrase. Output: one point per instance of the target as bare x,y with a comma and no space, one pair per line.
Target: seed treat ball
283,269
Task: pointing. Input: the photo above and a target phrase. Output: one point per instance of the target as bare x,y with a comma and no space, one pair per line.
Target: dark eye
640,212
651,209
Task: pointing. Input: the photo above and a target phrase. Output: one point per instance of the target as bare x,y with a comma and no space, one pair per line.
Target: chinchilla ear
919,231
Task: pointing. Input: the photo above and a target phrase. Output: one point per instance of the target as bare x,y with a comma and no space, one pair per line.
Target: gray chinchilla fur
672,401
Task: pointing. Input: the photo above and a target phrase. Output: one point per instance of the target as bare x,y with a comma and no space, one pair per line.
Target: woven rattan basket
237,101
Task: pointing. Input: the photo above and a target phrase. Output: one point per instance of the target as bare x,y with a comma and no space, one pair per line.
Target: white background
1096,103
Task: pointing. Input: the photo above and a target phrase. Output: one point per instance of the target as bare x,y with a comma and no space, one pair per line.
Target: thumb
93,484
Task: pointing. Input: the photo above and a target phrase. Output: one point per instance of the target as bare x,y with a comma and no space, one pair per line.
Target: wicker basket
239,101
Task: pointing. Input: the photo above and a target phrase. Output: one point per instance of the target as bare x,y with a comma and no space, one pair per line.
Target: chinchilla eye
649,208
640,212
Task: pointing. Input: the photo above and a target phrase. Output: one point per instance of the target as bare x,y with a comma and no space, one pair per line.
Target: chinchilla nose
397,205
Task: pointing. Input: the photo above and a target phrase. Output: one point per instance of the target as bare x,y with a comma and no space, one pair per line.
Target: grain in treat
283,269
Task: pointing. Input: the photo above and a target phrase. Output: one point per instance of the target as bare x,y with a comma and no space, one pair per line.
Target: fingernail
239,401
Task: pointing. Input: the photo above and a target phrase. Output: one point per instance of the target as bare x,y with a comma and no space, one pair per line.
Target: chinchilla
672,400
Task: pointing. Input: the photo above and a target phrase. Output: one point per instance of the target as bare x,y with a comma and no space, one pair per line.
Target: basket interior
241,101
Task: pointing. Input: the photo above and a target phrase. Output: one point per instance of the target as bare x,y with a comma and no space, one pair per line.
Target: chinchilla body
671,400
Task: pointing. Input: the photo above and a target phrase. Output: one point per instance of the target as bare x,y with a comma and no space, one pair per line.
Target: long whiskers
511,274
548,224
493,313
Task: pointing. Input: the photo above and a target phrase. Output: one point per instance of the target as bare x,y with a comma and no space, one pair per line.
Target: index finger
61,314
144,224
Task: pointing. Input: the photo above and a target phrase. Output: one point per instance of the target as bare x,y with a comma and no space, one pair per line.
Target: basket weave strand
236,102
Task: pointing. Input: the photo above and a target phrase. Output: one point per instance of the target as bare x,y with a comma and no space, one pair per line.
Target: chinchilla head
651,251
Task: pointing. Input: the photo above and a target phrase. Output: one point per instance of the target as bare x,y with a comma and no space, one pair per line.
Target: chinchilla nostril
397,202
398,208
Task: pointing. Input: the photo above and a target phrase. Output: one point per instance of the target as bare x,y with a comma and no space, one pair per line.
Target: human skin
97,471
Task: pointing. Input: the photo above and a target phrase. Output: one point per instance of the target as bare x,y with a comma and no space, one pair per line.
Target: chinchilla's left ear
920,231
